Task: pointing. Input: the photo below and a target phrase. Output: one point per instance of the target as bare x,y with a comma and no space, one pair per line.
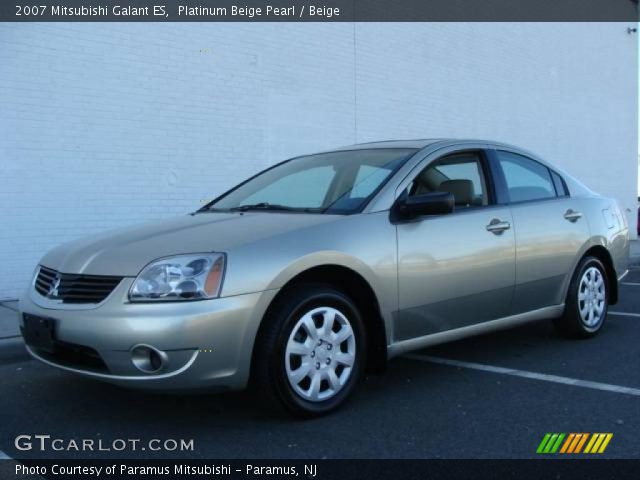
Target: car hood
124,252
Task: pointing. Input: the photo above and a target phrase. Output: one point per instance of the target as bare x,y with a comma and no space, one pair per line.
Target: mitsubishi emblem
53,290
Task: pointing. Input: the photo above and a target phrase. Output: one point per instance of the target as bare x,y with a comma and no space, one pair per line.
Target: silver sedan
322,267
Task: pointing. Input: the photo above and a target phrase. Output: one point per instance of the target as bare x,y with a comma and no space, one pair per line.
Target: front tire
587,300
310,351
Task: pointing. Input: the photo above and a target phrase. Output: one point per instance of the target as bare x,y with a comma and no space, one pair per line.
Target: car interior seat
462,191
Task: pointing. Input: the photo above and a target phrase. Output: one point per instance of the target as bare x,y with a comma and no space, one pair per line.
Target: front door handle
572,215
497,226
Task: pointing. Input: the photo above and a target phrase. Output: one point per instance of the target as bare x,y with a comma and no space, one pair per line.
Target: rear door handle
497,226
572,215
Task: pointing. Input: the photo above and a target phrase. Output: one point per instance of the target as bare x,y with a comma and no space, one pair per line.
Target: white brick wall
103,125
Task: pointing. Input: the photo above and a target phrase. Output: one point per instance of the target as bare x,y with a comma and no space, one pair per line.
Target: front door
455,269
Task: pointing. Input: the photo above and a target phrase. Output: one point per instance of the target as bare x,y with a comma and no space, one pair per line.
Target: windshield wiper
208,209
262,206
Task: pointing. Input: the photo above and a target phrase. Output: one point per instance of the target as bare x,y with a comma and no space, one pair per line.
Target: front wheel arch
361,293
271,379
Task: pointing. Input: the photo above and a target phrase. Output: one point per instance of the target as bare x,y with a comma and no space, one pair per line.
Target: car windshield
336,182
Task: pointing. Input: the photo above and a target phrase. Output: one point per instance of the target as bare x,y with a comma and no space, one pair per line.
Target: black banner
319,11
582,469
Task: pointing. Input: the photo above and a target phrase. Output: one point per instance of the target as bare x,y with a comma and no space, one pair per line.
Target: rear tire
587,300
310,351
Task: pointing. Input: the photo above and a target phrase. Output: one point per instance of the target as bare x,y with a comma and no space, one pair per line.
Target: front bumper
208,344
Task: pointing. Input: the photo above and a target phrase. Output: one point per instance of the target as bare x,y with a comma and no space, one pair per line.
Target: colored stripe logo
574,443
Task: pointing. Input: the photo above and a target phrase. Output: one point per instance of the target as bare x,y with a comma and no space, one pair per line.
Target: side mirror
435,203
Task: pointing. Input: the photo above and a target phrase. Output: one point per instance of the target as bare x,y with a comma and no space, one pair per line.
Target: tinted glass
561,189
460,174
335,182
526,178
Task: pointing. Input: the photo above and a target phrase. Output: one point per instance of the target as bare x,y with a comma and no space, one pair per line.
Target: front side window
526,179
335,182
460,174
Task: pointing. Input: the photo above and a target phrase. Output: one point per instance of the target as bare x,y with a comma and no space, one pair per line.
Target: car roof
416,143
422,143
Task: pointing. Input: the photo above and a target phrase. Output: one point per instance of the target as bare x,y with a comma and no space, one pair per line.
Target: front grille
74,288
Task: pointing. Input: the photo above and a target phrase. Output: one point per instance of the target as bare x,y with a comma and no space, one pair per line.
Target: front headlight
183,277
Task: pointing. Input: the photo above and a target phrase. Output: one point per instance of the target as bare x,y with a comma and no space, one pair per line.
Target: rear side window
561,188
526,179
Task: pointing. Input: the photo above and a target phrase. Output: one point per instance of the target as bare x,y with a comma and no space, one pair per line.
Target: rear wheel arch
602,254
358,290
586,301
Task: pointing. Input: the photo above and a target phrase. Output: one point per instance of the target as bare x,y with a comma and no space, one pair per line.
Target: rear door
549,228
455,269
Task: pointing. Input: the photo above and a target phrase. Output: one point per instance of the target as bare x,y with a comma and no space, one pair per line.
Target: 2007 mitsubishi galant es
320,268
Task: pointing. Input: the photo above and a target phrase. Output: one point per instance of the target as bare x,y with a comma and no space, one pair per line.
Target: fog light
148,359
